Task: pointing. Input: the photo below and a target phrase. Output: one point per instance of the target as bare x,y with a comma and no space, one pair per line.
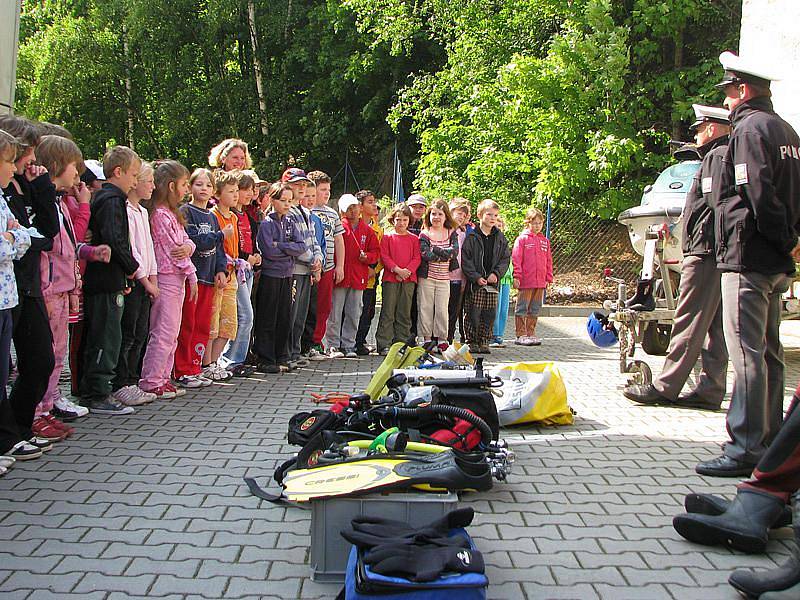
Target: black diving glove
423,563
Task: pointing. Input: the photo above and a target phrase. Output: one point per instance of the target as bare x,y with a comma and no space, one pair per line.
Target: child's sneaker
41,443
497,342
171,388
24,450
43,429
242,370
316,353
335,353
130,395
163,393
66,410
214,372
109,406
190,381
68,431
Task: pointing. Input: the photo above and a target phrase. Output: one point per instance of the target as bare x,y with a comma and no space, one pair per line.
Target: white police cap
740,69
713,114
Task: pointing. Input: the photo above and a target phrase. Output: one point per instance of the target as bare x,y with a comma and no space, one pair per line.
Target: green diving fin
432,472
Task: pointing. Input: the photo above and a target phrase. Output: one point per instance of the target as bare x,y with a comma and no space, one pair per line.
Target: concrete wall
770,32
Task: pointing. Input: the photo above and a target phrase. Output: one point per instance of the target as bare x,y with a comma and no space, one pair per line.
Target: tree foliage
568,101
526,101
190,69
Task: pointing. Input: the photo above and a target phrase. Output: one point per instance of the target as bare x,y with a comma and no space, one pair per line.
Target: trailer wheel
655,338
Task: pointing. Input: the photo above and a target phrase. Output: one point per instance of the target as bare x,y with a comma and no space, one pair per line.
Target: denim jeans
236,350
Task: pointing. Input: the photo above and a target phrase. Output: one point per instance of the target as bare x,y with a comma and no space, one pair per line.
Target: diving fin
442,471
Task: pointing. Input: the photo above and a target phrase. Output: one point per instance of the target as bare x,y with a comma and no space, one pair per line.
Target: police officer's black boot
782,582
743,526
709,504
643,299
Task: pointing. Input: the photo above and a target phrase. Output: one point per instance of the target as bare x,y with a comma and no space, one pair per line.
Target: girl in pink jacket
173,250
533,270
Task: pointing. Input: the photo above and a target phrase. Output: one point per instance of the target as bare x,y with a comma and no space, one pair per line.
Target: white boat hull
640,219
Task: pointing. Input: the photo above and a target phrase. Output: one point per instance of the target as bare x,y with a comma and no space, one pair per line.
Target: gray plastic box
329,550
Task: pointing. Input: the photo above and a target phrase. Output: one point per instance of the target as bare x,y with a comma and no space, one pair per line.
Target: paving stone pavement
153,505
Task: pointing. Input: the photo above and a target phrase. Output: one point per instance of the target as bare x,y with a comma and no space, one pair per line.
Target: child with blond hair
484,260
212,275
533,270
401,258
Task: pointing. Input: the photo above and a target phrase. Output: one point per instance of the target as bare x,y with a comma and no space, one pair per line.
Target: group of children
150,279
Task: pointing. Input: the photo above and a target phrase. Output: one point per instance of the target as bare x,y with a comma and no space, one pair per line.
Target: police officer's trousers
696,332
751,315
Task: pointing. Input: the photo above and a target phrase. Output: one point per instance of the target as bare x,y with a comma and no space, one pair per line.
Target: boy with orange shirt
223,314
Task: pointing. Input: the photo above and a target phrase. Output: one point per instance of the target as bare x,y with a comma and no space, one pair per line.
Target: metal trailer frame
631,324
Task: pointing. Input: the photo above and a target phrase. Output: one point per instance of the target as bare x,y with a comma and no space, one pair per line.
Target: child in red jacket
533,270
361,249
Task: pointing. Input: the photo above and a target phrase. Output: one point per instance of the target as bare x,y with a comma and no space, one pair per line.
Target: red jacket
532,260
357,239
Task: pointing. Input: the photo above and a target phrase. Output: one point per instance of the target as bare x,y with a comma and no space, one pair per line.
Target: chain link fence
583,245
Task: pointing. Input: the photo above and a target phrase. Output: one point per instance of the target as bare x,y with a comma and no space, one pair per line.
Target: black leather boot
743,526
709,504
643,299
781,579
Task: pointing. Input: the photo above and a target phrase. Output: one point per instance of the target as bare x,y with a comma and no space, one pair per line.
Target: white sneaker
24,450
190,381
148,396
316,355
335,353
204,380
534,341
351,354
216,373
66,405
129,396
521,340
7,461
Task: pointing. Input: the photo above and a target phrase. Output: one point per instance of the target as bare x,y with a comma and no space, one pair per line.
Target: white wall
770,33
9,33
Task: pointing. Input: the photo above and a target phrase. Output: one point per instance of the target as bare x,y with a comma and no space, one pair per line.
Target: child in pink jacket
533,270
173,250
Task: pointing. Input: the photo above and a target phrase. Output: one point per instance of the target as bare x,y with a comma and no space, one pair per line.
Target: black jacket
698,212
33,204
109,225
758,216
472,255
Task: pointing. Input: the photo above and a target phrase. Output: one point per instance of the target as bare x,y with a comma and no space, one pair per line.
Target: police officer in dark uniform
697,328
757,223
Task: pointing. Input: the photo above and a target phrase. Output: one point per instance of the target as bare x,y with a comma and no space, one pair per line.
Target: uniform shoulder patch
740,172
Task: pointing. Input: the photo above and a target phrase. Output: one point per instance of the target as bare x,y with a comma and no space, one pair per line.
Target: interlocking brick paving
153,505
